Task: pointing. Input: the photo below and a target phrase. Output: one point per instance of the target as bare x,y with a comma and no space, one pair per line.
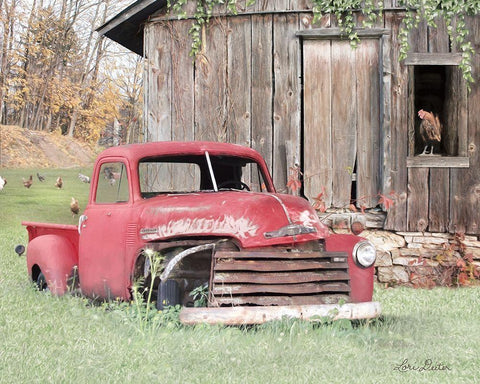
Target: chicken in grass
3,182
74,208
430,130
41,178
84,178
28,183
59,182
110,175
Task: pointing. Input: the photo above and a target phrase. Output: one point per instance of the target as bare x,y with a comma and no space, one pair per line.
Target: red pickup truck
211,211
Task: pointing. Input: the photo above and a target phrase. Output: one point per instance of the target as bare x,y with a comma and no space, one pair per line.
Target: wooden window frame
461,160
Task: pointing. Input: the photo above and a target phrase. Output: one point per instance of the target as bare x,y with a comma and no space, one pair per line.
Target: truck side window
112,184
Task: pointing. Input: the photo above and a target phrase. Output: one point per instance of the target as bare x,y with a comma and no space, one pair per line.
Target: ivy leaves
453,13
343,11
203,13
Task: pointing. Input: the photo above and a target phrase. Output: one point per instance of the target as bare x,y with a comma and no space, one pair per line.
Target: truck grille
278,278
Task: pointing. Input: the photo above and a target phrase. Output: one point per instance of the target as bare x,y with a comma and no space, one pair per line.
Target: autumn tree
53,67
7,24
127,75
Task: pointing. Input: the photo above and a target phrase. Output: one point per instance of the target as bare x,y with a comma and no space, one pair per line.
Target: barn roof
126,28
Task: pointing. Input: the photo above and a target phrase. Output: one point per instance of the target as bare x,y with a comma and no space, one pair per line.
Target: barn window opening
430,107
437,132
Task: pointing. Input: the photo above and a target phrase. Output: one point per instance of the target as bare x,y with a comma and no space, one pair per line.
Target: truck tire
168,294
42,282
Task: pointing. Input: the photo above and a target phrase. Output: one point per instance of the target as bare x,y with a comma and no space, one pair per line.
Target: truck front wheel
168,294
42,282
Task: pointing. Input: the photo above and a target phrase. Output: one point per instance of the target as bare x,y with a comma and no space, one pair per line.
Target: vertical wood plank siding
158,102
286,97
183,95
397,174
258,83
465,183
344,138
418,178
239,80
439,214
262,86
262,91
368,122
317,141
211,85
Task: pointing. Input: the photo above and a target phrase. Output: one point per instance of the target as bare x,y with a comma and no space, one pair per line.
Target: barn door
341,121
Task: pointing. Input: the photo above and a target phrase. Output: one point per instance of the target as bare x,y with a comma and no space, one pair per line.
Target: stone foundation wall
421,259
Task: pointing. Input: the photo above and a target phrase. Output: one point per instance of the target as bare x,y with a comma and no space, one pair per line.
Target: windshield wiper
210,169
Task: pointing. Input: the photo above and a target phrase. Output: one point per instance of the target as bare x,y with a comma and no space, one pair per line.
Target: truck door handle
81,220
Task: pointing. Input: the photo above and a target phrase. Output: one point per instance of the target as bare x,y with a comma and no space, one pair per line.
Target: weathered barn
298,93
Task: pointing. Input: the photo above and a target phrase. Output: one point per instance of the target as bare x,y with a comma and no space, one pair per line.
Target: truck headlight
364,254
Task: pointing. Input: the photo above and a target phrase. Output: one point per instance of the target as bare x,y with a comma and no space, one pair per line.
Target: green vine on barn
202,15
452,12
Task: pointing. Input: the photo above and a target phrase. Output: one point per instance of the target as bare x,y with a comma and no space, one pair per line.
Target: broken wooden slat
280,300
290,289
279,278
274,265
278,255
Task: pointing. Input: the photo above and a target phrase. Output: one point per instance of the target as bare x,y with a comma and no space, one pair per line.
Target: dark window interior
430,83
436,91
190,173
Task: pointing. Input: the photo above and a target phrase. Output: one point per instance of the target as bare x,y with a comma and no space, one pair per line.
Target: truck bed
36,229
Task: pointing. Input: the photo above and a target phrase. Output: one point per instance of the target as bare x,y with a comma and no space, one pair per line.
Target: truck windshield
191,174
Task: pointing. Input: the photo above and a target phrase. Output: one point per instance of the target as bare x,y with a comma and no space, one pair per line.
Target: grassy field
424,336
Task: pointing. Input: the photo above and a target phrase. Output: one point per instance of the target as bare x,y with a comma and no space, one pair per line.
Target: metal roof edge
126,27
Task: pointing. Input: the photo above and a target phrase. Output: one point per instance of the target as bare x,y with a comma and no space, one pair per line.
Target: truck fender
55,256
361,279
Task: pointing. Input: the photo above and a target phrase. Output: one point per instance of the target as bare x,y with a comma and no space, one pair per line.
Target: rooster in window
430,130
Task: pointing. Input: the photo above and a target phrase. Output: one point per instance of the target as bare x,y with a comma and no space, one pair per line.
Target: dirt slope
22,148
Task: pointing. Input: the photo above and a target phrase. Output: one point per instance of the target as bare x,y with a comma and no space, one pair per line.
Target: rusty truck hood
249,217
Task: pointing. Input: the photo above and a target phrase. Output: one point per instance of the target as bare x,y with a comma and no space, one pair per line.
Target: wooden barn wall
465,183
341,121
246,88
432,199
247,76
395,141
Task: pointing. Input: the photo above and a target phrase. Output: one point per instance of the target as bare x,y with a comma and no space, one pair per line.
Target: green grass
44,339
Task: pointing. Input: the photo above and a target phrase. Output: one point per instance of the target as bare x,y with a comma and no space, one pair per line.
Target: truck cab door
103,230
